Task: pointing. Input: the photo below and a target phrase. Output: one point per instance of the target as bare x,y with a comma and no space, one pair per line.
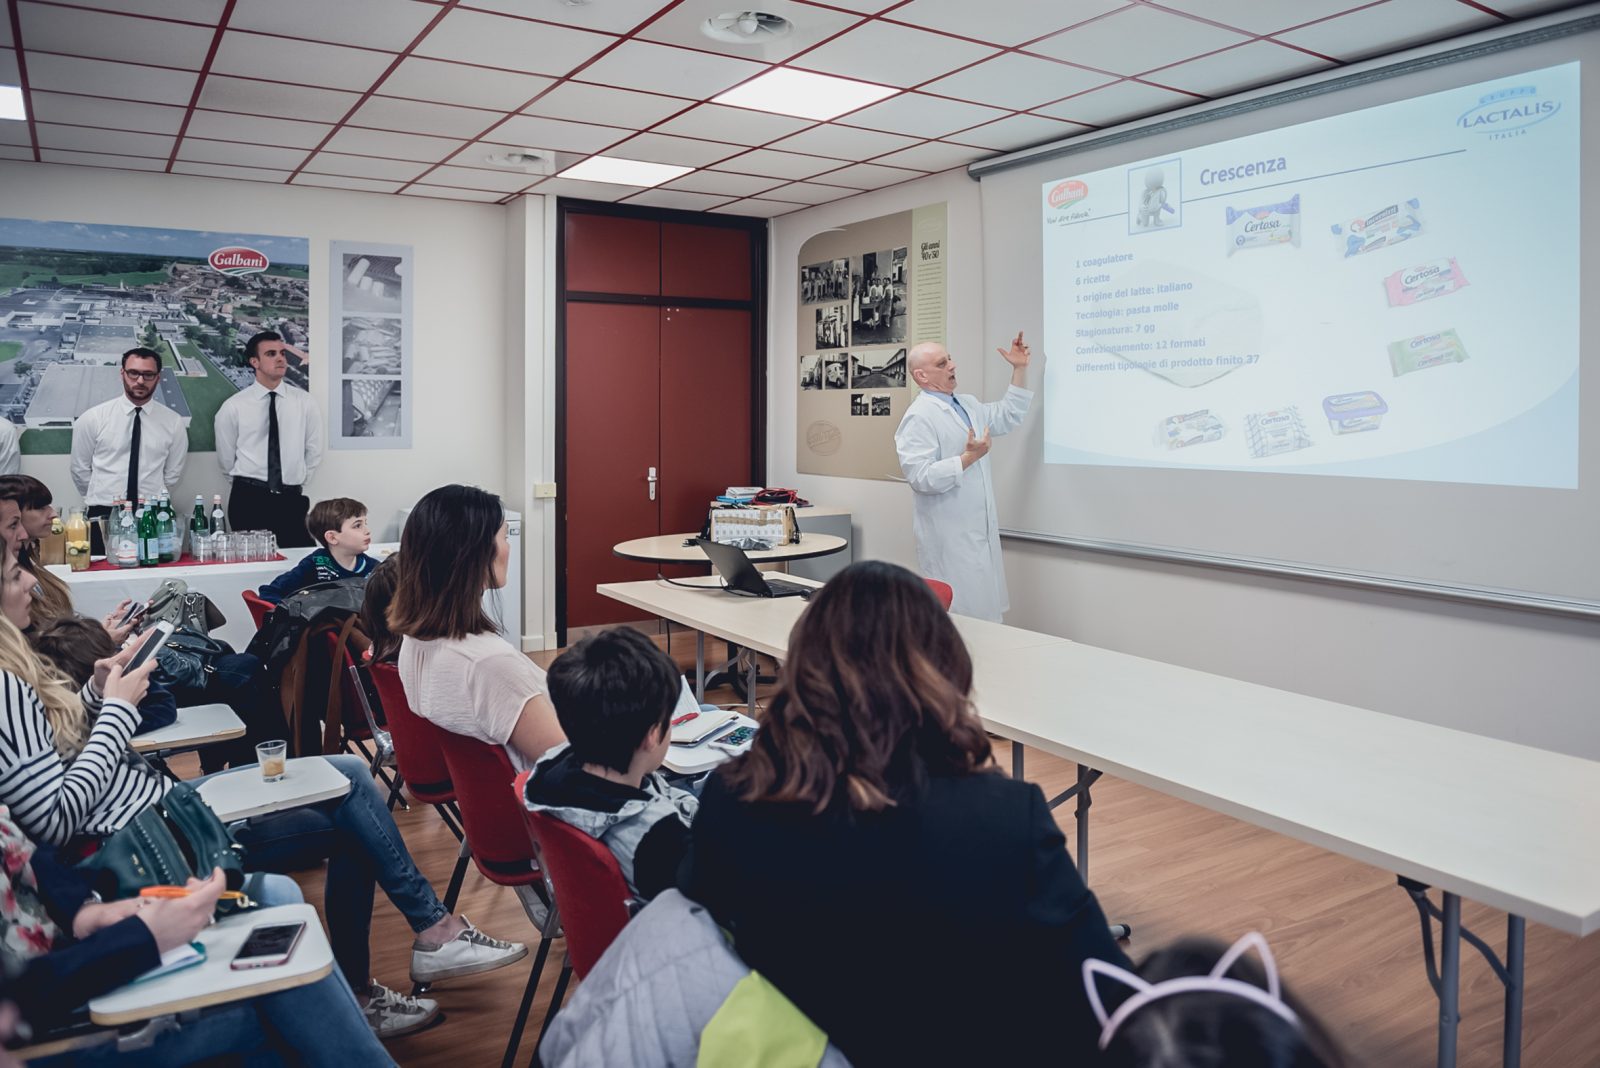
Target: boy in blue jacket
340,527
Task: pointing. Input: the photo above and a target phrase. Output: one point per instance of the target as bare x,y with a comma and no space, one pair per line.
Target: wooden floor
1346,937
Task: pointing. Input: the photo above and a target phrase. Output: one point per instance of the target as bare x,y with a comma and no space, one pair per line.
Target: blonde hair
55,599
63,709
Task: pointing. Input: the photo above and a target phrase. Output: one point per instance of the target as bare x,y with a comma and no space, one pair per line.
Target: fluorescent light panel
805,95
11,103
618,171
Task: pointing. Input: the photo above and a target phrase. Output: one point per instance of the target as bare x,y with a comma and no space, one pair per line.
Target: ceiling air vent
745,27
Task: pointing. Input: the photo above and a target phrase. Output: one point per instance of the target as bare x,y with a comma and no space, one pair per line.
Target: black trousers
254,507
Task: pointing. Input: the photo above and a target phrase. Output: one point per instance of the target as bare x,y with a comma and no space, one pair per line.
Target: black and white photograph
878,298
811,372
881,404
371,408
370,328
372,346
836,370
830,327
878,369
859,404
825,281
373,283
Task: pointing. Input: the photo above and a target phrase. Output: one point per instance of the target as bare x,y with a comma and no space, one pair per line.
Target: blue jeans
318,1024
358,838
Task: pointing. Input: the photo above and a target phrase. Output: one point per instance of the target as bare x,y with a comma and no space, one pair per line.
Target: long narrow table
1426,802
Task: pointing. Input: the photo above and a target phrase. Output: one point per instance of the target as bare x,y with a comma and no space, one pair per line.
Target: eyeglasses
143,376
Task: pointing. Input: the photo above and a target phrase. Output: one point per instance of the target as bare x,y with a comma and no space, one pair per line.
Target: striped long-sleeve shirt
54,800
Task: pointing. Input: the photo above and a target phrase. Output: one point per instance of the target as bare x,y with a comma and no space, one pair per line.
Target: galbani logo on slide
1069,192
1508,112
236,260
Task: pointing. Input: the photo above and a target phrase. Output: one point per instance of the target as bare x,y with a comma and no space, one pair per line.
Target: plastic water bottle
166,530
125,537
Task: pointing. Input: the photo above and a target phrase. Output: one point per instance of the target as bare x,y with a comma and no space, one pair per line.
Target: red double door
659,390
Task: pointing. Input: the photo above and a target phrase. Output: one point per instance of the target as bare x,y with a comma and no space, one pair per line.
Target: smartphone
269,945
150,645
135,610
735,739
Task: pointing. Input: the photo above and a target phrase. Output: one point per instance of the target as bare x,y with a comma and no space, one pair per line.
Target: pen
685,718
179,891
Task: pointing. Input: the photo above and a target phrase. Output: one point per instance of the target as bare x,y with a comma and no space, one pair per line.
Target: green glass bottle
149,536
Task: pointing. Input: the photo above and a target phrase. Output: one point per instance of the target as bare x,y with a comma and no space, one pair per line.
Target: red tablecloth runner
183,561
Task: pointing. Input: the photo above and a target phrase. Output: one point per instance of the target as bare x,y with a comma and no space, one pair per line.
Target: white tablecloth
94,593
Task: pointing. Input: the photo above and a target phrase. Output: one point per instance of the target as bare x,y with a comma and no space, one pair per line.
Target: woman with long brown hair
871,862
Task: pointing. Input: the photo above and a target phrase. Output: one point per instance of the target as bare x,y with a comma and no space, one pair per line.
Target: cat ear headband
1217,983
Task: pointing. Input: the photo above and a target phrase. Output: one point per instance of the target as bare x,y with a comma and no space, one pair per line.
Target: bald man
943,443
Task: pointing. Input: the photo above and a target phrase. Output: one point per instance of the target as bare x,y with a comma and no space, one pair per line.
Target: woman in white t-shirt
456,669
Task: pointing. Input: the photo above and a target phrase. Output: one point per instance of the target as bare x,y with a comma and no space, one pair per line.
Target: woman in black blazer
869,860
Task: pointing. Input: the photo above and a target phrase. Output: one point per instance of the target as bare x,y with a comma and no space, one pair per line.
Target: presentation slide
1389,293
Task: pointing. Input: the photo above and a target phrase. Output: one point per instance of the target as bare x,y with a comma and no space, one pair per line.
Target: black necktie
274,460
133,459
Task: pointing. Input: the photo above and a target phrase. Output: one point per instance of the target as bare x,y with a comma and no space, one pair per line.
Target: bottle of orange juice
78,541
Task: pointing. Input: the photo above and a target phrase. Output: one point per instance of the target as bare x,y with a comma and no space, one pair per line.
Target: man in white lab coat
943,443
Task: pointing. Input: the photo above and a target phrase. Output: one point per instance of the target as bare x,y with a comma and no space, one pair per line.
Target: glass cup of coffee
272,758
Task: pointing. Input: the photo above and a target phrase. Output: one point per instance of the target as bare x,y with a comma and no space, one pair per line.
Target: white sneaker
391,1014
468,953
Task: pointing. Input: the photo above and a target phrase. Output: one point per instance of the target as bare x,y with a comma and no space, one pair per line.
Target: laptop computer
740,576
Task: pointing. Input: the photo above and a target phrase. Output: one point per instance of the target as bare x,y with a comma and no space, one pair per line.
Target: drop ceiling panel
739,126
891,54
329,181
866,176
116,114
612,16
765,161
581,102
392,145
843,142
440,192
106,36
1019,131
198,150
304,62
15,133
933,156
340,163
271,98
679,151
757,208
641,65
415,116
677,198
1136,39
203,11
22,152
1252,16
812,193
456,83
1388,27
1237,69
1008,25
241,174
119,81
287,133
1017,81
567,187
921,115
532,131
736,185
96,159
386,24
1117,103
502,181
515,44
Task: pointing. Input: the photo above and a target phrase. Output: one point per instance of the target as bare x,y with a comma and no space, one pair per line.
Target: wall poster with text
370,321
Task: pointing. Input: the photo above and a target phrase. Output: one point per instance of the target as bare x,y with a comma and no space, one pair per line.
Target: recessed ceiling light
803,94
11,103
623,171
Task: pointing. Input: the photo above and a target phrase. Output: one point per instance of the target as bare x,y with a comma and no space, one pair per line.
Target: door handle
651,481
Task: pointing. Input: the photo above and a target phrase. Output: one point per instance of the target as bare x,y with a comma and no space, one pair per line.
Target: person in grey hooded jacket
614,694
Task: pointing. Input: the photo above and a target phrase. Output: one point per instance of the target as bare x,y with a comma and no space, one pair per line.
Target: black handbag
170,841
187,657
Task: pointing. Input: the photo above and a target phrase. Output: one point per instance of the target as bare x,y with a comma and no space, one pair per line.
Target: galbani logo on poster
1068,192
236,260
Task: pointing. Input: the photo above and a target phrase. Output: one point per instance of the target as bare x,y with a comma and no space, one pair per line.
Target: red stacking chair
260,607
501,848
586,884
419,761
942,591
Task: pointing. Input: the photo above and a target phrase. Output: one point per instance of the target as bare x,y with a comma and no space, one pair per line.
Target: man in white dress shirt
130,447
943,445
269,442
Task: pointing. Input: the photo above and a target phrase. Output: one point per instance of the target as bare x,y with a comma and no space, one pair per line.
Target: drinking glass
271,757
